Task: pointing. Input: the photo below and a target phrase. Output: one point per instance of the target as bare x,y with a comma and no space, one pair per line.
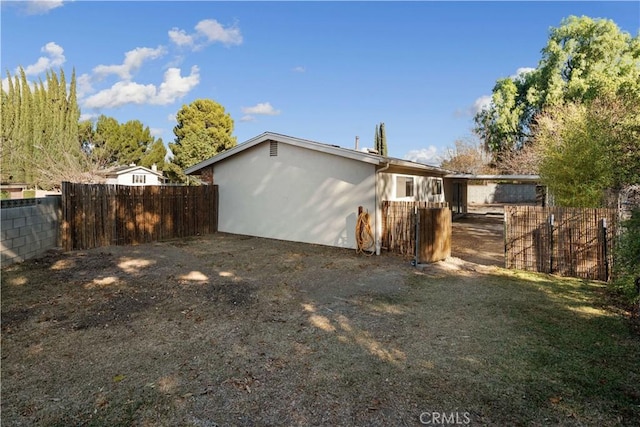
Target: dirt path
479,239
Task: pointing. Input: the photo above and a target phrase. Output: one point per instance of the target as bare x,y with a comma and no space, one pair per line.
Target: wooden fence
434,234
574,242
399,224
103,215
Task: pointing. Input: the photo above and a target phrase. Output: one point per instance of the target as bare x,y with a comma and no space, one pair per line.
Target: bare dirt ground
228,330
479,238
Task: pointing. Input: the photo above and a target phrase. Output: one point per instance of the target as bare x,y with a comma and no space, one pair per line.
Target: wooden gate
399,220
434,234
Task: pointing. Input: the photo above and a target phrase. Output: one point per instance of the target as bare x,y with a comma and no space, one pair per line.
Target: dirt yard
227,330
479,239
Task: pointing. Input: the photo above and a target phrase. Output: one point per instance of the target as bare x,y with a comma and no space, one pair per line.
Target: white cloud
121,93
180,37
175,86
54,58
172,118
520,72
427,156
208,31
262,108
83,85
5,84
480,104
172,88
299,69
40,7
247,118
215,32
157,132
132,62
88,116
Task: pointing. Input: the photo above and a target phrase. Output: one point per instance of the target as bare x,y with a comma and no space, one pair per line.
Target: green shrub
4,195
627,258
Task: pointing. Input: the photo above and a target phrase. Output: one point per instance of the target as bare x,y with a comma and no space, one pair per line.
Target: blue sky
325,71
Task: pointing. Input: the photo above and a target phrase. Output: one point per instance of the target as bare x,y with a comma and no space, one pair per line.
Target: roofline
316,146
496,177
129,169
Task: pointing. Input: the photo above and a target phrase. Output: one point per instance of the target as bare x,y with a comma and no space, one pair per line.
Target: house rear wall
298,195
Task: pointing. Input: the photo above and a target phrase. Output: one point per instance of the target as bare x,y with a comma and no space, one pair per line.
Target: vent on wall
273,148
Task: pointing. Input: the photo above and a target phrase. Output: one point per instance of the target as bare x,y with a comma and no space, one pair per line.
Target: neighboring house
134,175
287,188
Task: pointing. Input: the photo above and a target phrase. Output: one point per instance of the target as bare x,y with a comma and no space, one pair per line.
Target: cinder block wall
29,230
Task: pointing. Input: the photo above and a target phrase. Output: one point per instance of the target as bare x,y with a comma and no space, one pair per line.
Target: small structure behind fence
101,215
399,224
574,242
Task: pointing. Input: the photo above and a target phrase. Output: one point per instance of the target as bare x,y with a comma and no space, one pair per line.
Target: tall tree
380,140
589,147
40,131
584,59
383,140
204,129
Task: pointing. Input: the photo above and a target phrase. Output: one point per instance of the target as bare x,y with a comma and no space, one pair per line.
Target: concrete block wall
29,230
501,193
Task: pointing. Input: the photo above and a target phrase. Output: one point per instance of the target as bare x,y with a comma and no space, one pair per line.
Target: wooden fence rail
101,215
574,242
399,224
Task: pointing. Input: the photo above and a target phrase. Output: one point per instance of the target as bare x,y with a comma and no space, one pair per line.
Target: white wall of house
394,186
138,177
299,195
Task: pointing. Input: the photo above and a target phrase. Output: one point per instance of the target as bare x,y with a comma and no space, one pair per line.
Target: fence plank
102,215
575,244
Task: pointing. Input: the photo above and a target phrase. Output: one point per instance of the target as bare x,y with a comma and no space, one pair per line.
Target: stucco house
134,175
288,188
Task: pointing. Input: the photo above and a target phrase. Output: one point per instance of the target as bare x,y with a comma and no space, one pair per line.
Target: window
404,186
139,179
437,186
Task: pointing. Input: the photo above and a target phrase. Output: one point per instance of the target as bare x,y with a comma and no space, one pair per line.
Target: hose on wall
365,241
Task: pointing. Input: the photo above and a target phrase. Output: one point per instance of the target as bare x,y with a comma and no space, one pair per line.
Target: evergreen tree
383,141
204,129
380,140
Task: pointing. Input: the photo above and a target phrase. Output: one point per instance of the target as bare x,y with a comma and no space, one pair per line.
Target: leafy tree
584,59
380,140
114,144
204,129
588,147
627,257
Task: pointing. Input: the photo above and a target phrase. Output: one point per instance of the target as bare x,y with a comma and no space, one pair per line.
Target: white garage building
287,188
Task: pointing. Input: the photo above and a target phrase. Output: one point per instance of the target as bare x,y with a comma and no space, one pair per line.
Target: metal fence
576,242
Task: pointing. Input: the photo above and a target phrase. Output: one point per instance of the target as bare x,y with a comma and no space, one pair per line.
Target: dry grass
229,330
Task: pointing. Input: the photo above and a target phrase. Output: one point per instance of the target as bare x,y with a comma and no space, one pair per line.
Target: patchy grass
229,330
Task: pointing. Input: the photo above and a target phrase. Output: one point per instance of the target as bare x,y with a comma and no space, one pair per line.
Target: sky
323,71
